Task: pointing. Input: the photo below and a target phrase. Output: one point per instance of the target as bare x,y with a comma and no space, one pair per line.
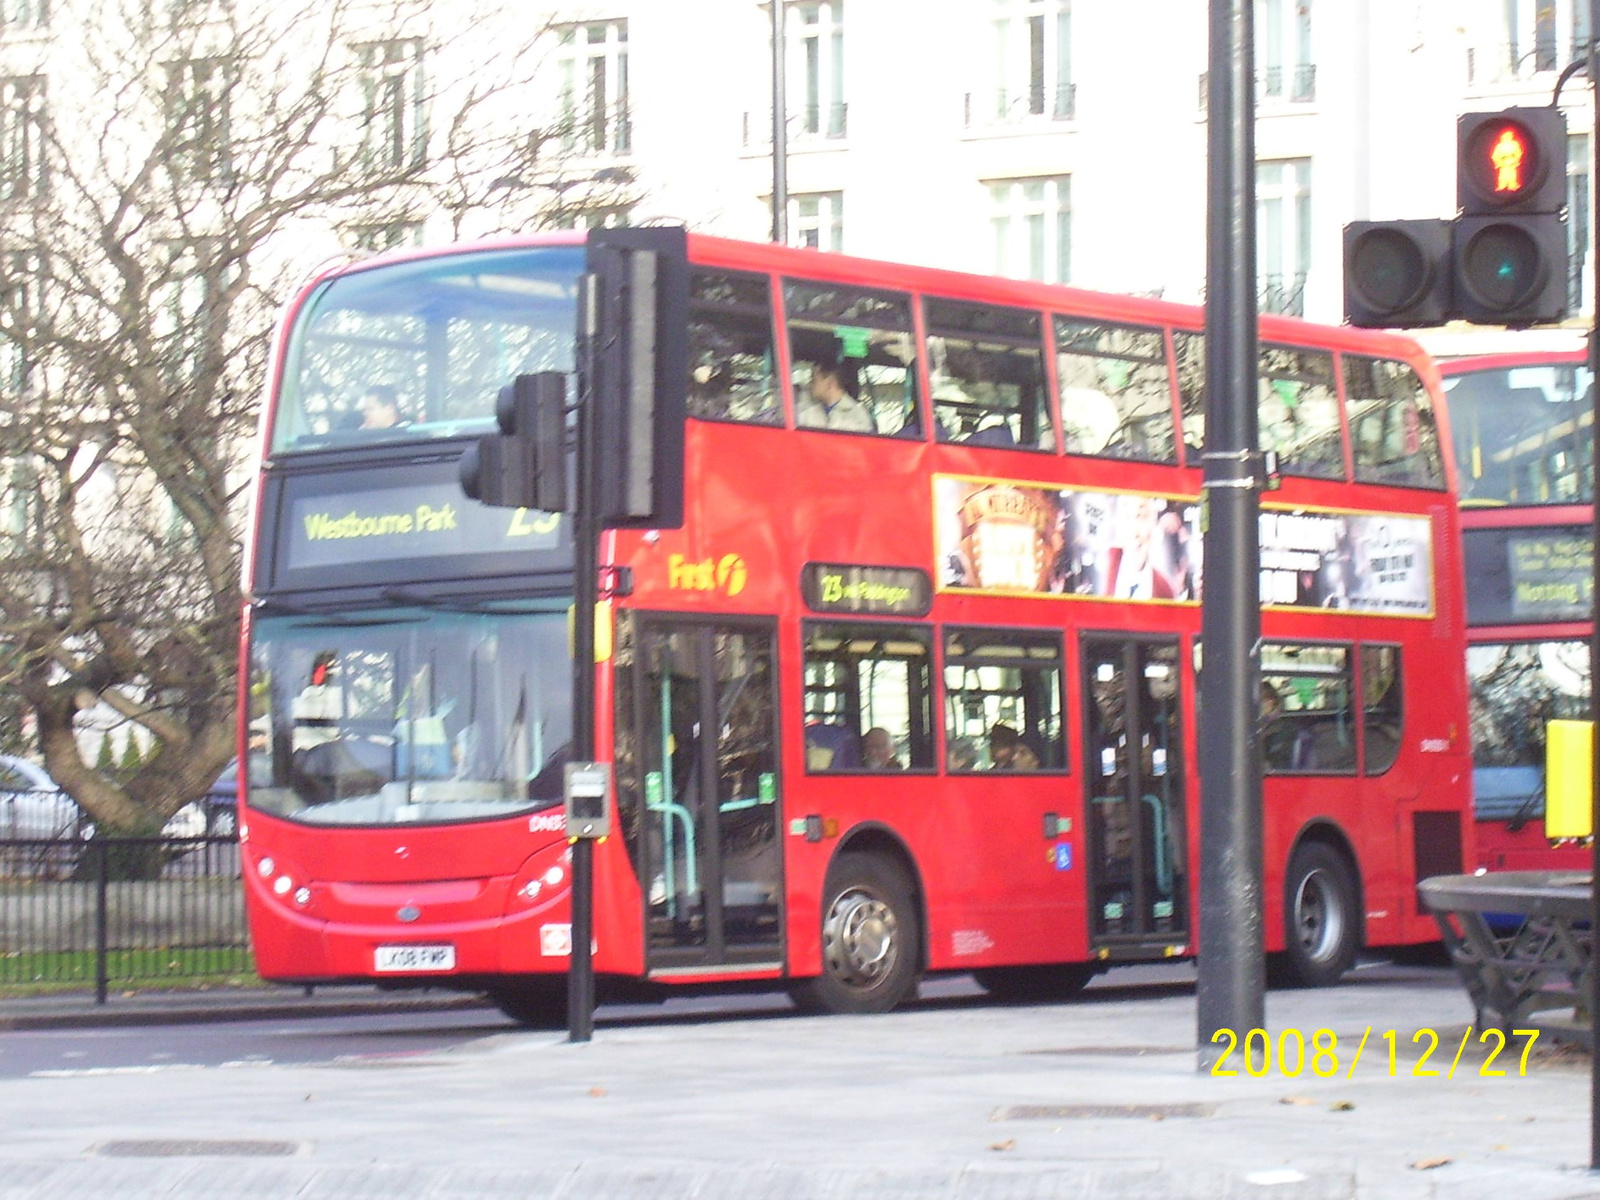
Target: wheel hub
1317,916
859,939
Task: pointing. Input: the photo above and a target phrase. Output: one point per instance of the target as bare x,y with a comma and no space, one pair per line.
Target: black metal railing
1523,60
1006,106
1283,294
809,121
101,912
1282,85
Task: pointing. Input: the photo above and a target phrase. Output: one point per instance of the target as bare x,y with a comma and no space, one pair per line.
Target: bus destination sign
1552,575
875,591
360,527
408,522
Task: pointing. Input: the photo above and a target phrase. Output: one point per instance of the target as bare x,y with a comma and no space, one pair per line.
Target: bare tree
168,175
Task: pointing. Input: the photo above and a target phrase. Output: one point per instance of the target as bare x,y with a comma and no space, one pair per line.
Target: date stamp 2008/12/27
1293,1054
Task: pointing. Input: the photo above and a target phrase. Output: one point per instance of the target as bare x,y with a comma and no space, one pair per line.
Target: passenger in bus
830,401
380,407
1008,752
877,750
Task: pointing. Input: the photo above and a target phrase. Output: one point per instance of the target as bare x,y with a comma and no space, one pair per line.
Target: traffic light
636,326
1510,249
1397,273
525,464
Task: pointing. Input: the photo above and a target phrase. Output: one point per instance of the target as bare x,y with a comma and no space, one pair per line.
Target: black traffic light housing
1397,273
635,326
1511,270
525,464
633,360
1512,161
1502,261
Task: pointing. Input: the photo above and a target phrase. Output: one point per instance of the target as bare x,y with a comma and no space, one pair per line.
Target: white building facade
1065,140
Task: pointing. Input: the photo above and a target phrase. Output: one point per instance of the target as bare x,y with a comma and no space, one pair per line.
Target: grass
40,973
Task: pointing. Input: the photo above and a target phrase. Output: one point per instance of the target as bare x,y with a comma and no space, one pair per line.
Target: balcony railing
1277,85
1506,63
1283,294
1003,106
807,123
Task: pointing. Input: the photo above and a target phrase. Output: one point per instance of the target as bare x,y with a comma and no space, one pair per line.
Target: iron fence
105,912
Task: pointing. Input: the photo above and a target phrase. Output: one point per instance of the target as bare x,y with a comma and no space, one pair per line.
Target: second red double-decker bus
1522,426
913,688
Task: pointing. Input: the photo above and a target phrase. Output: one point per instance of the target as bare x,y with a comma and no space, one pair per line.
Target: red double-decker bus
1522,428
913,688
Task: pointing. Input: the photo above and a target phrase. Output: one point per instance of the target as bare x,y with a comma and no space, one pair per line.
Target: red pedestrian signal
1511,161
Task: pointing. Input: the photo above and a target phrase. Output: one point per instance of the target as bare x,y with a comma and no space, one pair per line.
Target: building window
1031,49
596,216
181,302
594,87
197,119
1283,234
21,283
394,134
815,34
1579,209
1283,49
24,14
385,235
817,220
22,143
1031,220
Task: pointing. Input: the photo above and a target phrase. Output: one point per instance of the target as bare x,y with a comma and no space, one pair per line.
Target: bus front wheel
870,935
1321,924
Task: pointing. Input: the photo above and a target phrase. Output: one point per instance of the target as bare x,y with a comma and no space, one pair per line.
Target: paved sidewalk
153,1006
956,1099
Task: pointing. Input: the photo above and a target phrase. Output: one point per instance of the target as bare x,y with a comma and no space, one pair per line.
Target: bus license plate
415,958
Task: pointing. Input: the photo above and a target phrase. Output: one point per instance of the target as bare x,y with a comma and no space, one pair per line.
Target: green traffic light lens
1389,269
1502,266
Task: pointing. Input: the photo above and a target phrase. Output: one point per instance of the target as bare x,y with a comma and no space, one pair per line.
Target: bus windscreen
412,716
420,349
1522,434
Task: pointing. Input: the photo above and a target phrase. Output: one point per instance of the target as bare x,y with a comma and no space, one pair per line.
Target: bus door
1134,782
711,853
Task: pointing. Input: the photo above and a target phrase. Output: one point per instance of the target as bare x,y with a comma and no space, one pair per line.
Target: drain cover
1058,1112
196,1148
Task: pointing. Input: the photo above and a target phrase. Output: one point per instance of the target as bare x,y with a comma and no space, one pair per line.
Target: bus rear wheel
1321,924
1037,984
870,935
538,1003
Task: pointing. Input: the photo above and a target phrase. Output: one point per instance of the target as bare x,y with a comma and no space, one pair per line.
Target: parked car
33,806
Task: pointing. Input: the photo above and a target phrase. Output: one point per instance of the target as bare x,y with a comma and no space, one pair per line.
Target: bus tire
1321,924
870,936
1036,984
538,1003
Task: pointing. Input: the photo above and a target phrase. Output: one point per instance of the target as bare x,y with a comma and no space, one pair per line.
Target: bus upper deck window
1299,411
987,375
1116,398
1392,429
853,359
732,371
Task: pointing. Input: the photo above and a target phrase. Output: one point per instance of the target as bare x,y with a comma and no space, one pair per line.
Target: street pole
585,574
1594,626
780,131
1232,969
